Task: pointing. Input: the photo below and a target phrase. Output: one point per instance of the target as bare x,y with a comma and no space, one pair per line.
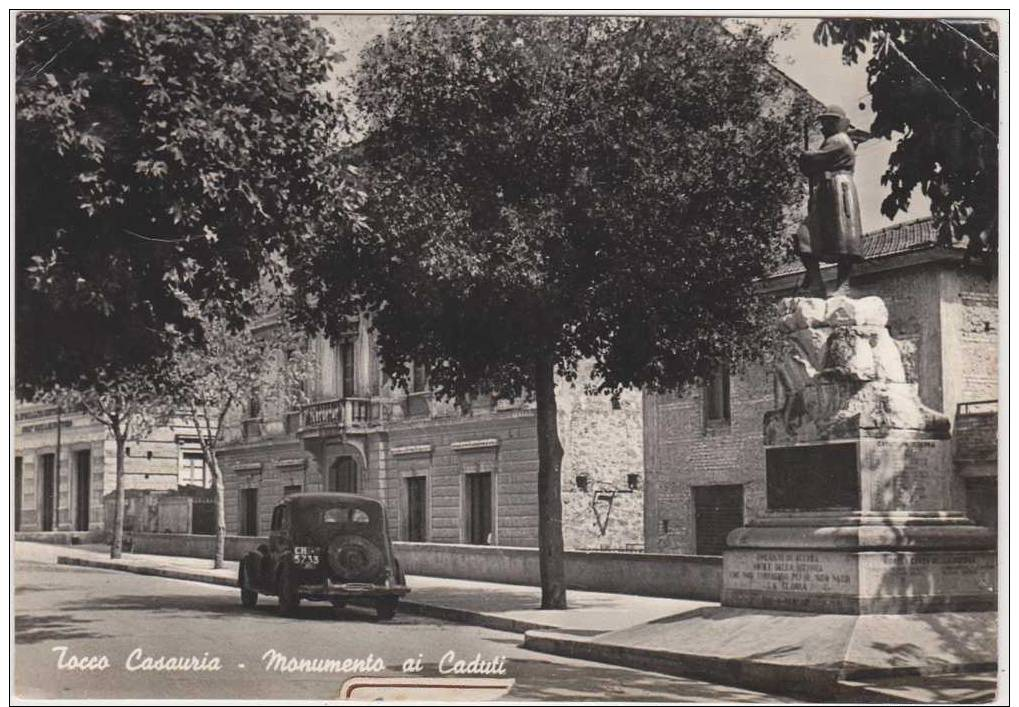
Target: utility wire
156,239
969,39
891,43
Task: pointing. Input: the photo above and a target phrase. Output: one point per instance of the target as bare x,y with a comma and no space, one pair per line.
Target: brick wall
945,321
683,451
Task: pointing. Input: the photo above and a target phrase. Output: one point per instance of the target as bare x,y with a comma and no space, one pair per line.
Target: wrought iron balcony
348,414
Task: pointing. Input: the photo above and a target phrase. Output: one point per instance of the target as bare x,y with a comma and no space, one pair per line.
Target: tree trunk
118,514
550,504
217,483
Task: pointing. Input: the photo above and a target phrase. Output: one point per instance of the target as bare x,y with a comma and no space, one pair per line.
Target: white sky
818,69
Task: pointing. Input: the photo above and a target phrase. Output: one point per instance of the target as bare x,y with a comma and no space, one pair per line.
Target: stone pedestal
858,483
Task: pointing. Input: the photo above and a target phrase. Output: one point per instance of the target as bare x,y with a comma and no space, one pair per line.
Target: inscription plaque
813,477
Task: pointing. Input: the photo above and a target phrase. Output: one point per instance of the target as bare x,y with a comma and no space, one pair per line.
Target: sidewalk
503,607
616,629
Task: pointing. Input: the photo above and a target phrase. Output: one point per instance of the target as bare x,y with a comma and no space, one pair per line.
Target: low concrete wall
677,576
61,537
179,545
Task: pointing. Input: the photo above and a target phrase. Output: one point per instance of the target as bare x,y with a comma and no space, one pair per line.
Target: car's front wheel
385,608
287,592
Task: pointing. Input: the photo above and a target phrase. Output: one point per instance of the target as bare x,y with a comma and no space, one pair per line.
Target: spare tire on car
354,558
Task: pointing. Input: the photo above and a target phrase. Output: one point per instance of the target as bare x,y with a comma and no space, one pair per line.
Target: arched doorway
342,476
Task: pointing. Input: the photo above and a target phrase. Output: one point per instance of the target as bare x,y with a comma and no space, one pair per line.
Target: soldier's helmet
837,112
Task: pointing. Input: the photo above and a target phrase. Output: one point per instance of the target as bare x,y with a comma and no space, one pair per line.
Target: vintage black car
325,547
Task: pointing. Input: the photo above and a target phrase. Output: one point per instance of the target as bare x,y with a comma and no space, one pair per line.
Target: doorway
342,476
48,496
17,494
417,509
478,502
83,488
718,510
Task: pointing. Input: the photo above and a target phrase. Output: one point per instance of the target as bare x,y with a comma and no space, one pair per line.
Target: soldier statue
831,232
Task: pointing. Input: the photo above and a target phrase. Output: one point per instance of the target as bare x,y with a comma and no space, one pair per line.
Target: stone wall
443,450
604,445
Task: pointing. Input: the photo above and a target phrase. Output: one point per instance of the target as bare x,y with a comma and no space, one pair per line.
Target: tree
129,405
546,190
268,363
225,368
935,82
155,146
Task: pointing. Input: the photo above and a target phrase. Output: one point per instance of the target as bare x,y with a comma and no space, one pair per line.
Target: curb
147,570
796,681
444,613
771,678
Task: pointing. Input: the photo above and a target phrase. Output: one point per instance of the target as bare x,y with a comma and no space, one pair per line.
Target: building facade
704,450
65,465
444,474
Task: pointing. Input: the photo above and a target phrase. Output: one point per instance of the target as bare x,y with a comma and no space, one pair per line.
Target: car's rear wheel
249,597
287,592
385,608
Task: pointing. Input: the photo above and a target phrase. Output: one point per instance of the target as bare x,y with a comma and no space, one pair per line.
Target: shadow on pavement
558,681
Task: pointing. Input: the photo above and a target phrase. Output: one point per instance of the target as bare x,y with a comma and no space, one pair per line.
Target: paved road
102,613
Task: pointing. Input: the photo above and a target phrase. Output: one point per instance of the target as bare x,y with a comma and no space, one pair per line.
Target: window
416,523
277,518
347,368
192,470
478,506
291,490
254,407
717,511
249,511
344,515
716,396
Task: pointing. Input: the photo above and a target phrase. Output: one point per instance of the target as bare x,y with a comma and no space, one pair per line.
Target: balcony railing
346,413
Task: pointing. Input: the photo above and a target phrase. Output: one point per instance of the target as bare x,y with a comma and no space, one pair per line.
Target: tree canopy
602,188
158,148
935,83
541,190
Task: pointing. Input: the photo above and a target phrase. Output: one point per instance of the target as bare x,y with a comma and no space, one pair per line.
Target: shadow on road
228,606
35,629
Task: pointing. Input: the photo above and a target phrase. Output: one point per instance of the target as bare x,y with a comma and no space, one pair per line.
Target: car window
346,515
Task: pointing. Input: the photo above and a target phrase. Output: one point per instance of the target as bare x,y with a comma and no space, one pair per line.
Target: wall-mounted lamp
581,482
